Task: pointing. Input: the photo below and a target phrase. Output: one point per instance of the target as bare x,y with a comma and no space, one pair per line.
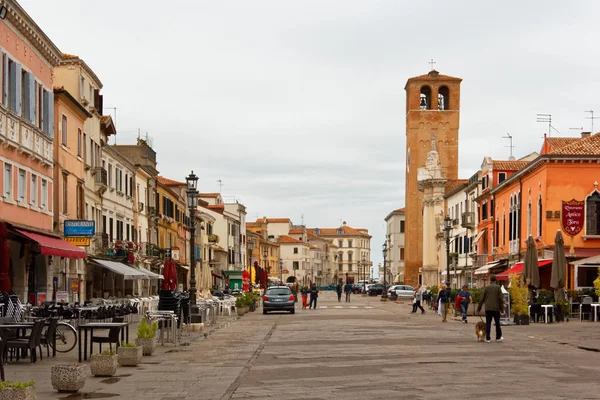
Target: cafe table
89,327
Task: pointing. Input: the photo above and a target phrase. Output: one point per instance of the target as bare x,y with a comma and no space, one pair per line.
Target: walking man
338,290
348,291
465,300
418,300
444,300
493,300
314,294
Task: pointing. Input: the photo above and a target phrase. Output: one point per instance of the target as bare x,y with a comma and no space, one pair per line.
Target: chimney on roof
344,223
585,134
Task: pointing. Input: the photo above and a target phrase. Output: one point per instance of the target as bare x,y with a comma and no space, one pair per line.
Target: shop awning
129,273
479,235
486,268
150,274
51,246
595,260
518,268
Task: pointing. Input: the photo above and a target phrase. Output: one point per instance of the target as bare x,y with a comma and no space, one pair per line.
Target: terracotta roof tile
334,231
169,182
452,184
400,210
288,239
209,195
218,208
70,56
276,220
556,143
509,165
296,232
313,247
583,147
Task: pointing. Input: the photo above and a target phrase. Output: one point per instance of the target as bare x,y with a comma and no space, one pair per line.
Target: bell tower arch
432,110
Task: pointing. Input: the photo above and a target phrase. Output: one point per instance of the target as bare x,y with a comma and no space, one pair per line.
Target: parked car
278,298
357,288
375,289
402,291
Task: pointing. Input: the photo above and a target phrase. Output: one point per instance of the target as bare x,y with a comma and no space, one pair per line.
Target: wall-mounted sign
78,240
175,253
79,227
3,12
74,285
572,216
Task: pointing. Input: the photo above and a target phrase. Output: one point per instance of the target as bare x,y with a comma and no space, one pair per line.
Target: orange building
530,202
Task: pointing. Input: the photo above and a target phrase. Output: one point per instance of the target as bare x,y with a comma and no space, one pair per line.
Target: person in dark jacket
444,300
493,299
348,291
314,294
338,290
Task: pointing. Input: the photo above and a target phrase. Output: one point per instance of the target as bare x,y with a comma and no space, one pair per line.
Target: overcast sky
298,106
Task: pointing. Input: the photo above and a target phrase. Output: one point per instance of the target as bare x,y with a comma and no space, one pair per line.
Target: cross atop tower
432,63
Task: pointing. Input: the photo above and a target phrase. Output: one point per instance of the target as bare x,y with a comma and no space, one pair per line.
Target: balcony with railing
100,179
479,260
468,220
25,137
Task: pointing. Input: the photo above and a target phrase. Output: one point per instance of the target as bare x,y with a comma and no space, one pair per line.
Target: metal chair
113,337
30,344
48,338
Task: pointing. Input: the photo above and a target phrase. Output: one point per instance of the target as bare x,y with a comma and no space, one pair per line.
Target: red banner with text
572,216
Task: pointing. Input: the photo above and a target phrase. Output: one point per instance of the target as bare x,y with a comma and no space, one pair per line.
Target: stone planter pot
27,393
246,309
129,356
103,364
252,307
240,311
68,378
148,345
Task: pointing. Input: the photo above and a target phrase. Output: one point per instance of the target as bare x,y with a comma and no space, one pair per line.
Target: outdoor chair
113,337
536,312
48,337
9,333
31,343
586,309
2,349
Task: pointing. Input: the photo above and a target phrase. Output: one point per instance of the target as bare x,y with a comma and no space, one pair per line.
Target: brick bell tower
432,108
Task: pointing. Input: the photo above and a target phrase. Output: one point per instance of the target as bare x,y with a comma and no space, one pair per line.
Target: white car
402,291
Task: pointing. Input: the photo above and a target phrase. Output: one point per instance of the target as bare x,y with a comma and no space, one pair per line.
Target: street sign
79,227
78,240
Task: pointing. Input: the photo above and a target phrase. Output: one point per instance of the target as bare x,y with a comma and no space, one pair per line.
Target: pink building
27,60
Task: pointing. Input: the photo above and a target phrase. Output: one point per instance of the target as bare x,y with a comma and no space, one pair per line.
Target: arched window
444,98
425,102
592,214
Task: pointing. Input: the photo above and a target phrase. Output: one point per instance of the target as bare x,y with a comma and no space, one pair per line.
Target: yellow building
173,225
264,252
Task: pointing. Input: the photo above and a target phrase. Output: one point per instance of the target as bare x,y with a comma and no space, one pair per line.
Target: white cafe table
595,308
546,307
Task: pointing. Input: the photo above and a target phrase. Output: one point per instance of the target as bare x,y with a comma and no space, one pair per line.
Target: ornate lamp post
192,199
364,272
280,270
447,228
250,249
384,294
265,254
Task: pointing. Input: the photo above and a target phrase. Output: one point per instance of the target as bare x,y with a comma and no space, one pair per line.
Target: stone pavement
376,351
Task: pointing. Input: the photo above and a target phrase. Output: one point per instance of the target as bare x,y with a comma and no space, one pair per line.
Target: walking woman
304,293
444,300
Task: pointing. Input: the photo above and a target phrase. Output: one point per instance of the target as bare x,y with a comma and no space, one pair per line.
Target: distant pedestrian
418,299
295,291
338,290
314,294
348,291
444,301
493,300
464,298
304,293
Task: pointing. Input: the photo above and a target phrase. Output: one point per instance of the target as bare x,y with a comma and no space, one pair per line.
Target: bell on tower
425,98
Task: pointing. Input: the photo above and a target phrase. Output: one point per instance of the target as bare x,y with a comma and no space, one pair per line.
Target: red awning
518,268
216,275
51,246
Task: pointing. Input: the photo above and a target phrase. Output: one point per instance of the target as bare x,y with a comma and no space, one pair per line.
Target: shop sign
572,216
79,227
62,296
78,240
175,253
74,285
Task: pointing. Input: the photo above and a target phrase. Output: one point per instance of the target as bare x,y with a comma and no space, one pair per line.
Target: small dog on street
480,331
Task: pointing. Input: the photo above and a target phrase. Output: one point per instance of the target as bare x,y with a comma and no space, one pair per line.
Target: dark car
278,298
357,288
375,289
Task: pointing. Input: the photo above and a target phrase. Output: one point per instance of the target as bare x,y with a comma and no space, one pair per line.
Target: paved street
366,349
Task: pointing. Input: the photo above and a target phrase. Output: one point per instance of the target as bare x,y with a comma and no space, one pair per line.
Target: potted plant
239,305
212,238
146,336
130,355
10,390
68,378
561,310
518,294
104,364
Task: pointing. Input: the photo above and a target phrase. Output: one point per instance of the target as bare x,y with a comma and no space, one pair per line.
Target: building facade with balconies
461,237
395,234
28,59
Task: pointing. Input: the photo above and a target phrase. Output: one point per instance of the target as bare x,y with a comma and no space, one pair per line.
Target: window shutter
32,102
18,89
50,114
5,78
25,97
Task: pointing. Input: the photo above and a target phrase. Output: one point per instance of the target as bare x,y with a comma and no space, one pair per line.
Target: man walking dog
493,300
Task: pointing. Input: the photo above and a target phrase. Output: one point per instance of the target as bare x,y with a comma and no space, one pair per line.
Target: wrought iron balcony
468,220
100,179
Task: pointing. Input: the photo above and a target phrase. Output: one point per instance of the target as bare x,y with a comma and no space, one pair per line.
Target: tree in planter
518,294
12,390
597,284
104,364
146,336
130,355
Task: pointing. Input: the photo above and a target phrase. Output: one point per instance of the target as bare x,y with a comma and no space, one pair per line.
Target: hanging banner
572,216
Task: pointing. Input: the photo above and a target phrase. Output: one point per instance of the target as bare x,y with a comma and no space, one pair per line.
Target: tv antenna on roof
547,118
220,185
510,146
592,118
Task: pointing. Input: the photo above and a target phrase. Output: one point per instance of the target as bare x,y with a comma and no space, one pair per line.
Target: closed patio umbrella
4,259
205,281
559,266
531,272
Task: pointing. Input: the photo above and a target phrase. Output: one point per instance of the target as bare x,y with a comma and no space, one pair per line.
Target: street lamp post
364,272
250,266
265,254
192,198
280,270
384,294
447,229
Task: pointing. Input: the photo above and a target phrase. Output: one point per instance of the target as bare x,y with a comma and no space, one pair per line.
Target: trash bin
393,296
